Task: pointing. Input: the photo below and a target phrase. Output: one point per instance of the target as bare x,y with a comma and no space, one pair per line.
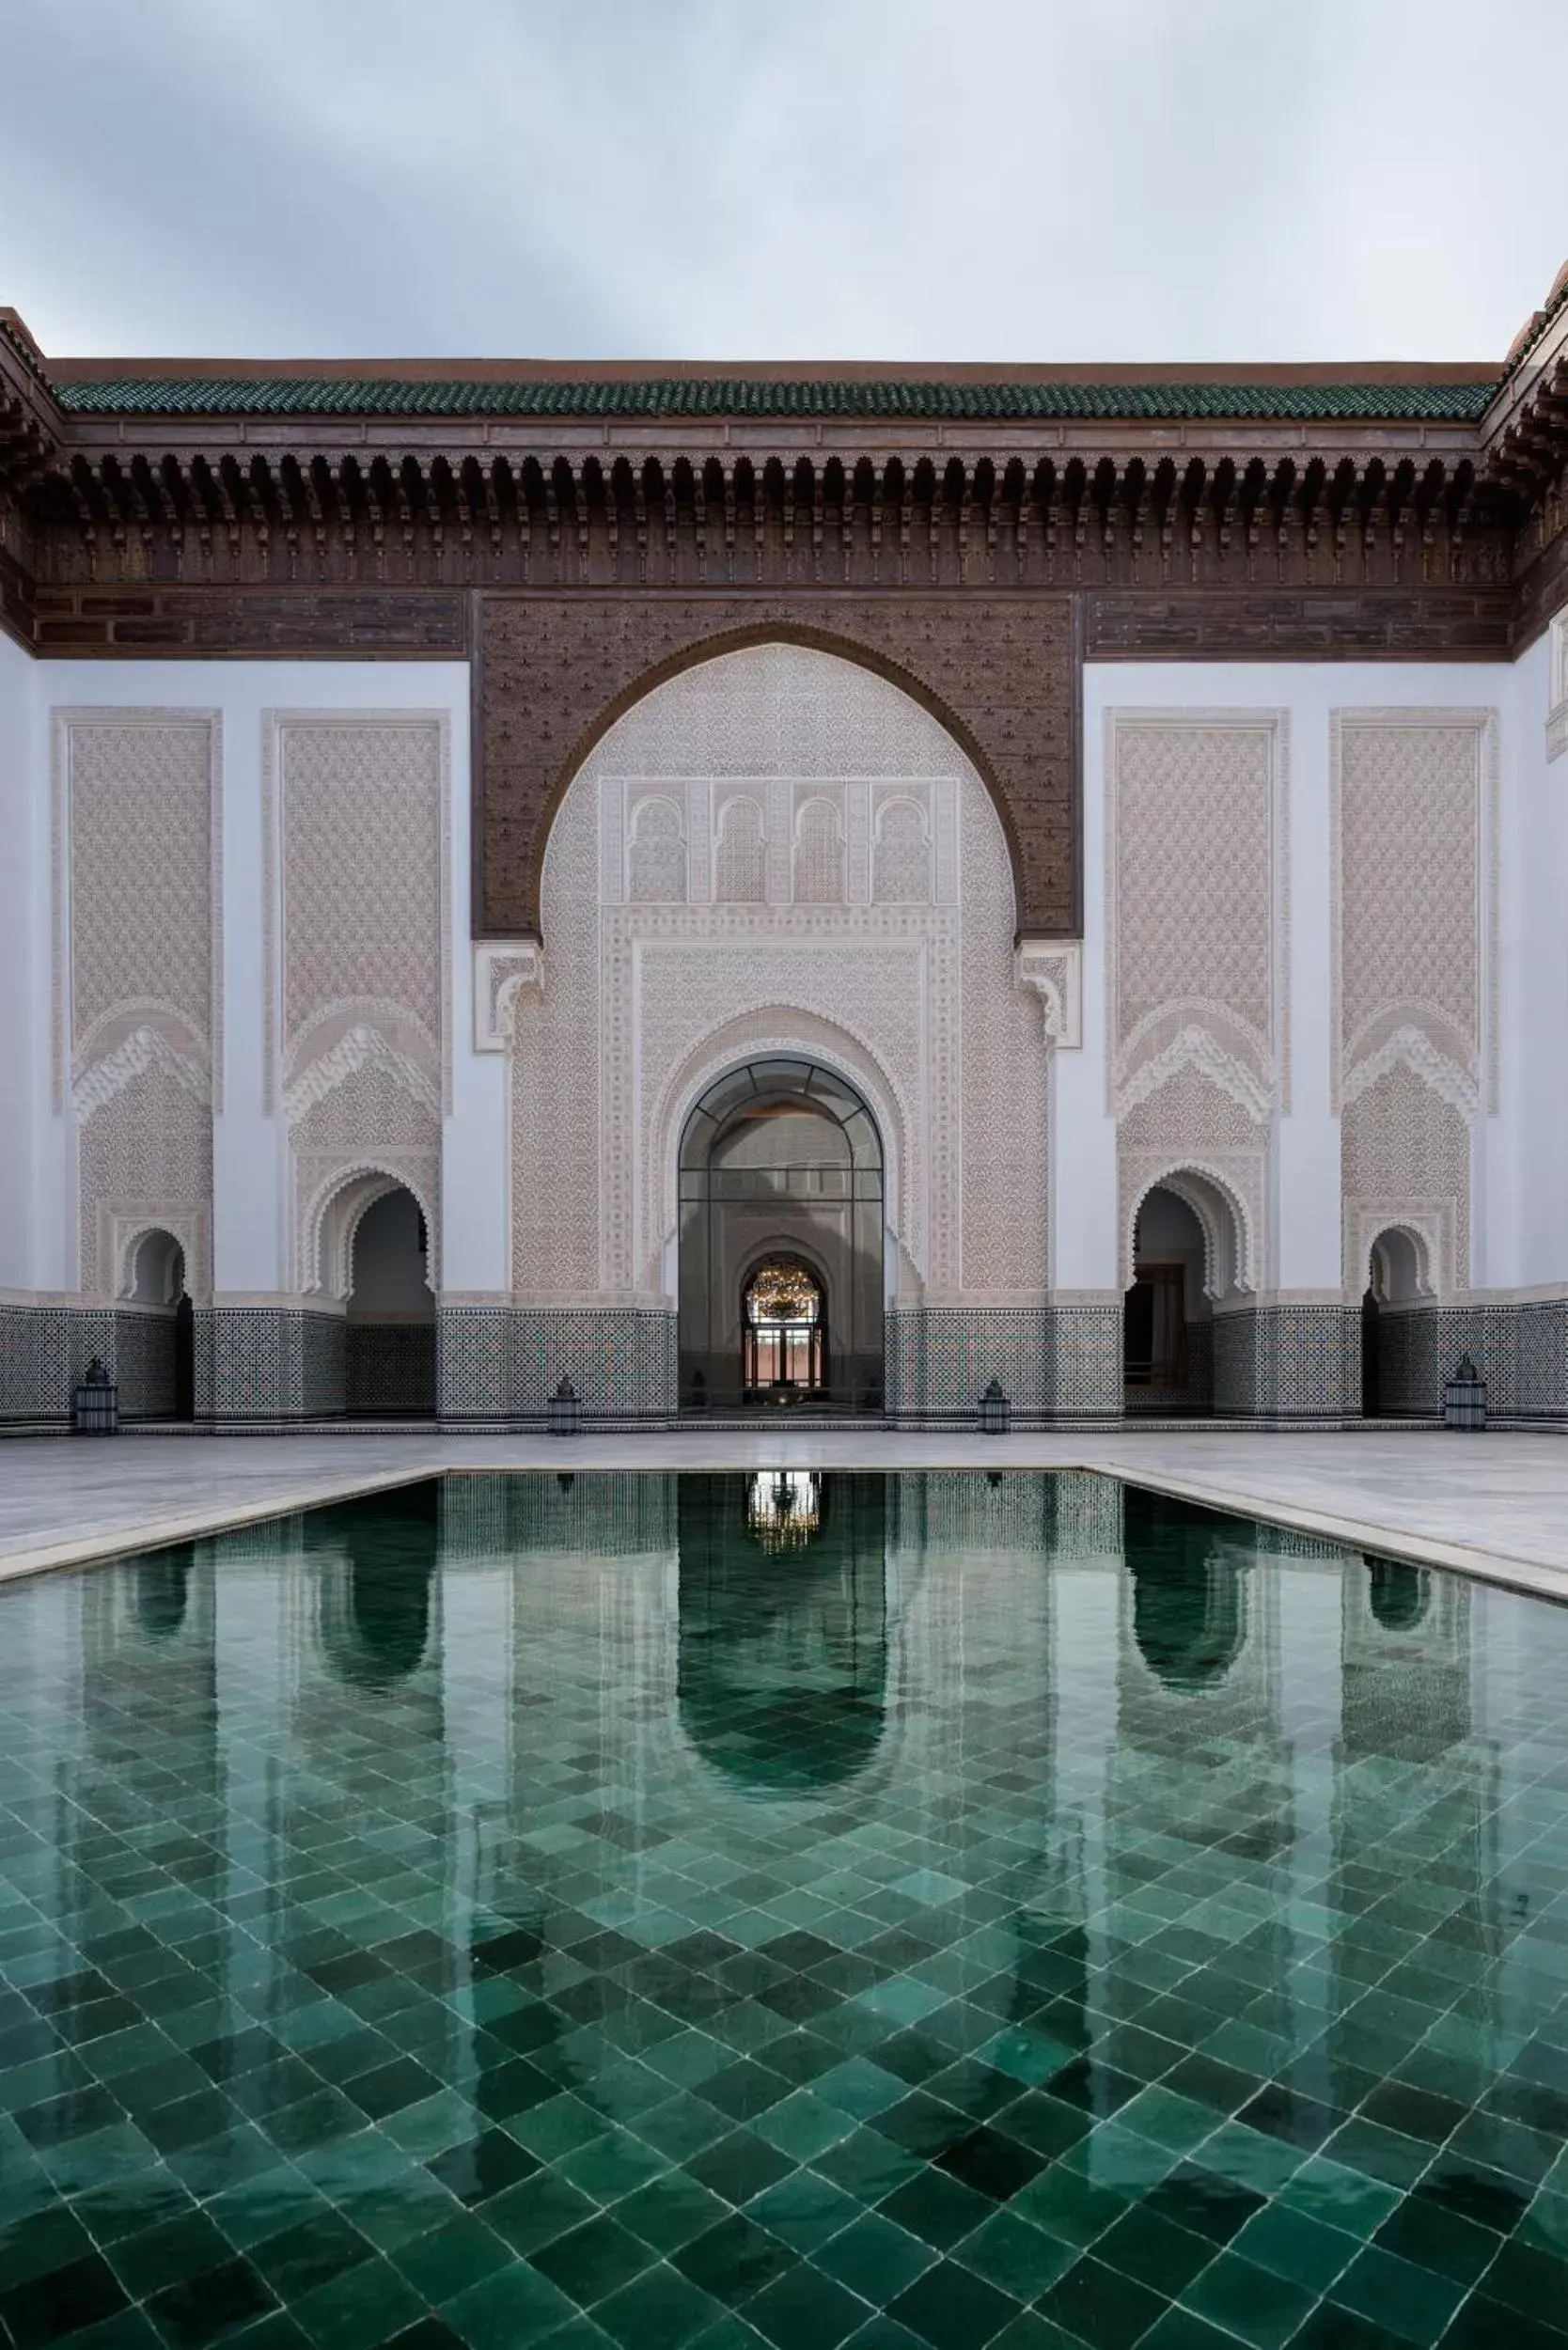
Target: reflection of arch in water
375,1601
1189,1593
782,1673
780,1158
163,1590
1398,1594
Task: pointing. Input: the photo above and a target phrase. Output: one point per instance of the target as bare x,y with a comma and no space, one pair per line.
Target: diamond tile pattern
928,1910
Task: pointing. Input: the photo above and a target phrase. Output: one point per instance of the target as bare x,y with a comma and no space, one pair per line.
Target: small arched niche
389,1312
163,1384
1168,1315
781,1190
1401,1370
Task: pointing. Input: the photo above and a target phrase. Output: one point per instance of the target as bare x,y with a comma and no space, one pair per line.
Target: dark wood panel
217,623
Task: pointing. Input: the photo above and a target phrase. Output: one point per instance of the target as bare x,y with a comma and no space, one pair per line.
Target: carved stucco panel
1198,960
1006,669
145,1156
1414,832
1406,1158
1414,839
1197,834
554,1070
137,985
1002,1144
357,956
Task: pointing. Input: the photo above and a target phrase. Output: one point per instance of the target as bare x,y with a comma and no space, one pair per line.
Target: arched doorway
783,1331
1168,1321
389,1336
1399,1370
168,1380
781,1242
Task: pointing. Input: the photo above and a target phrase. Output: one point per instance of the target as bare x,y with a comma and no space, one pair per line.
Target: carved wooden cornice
160,479
994,518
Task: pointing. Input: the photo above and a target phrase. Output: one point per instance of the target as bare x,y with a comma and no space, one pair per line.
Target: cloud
745,178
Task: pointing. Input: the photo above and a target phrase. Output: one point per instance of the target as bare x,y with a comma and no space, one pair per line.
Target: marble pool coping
1494,1507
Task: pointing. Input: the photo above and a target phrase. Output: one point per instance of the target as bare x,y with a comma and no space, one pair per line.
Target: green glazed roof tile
745,396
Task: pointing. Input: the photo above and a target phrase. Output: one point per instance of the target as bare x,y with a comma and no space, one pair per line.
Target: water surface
929,1909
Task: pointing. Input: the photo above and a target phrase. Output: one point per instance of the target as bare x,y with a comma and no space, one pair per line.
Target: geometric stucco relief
137,979
1196,882
1413,812
775,851
358,1006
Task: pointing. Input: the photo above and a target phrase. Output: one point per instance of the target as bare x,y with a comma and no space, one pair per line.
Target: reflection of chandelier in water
783,1507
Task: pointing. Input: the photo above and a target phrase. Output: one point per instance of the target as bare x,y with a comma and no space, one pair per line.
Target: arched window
785,1333
901,865
742,855
658,856
819,855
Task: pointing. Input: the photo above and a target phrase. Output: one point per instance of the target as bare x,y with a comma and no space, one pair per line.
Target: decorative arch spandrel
1001,677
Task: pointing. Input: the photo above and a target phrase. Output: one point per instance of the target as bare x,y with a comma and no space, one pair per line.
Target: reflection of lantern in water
783,1507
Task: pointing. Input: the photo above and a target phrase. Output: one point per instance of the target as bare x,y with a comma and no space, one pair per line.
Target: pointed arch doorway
781,1244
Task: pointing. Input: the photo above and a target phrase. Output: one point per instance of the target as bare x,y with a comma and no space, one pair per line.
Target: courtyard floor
1493,1506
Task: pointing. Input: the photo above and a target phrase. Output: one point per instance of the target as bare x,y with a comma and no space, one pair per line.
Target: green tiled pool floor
931,1910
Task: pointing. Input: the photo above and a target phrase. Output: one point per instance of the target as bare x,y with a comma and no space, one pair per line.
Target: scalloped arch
1230,1245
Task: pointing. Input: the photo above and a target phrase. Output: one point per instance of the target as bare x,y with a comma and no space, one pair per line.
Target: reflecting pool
933,1908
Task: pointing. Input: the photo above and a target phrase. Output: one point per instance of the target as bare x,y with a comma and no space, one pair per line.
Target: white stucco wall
1520,1177
1527,1175
23,911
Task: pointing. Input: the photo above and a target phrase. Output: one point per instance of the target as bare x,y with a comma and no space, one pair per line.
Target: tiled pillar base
44,1350
505,1362
1410,1361
1052,1362
1287,1362
1521,1350
272,1363
389,1367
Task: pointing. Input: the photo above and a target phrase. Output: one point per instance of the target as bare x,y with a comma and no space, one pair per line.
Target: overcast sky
993,180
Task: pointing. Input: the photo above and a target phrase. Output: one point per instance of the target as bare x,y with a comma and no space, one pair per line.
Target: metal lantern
566,1411
95,1407
996,1411
1465,1398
